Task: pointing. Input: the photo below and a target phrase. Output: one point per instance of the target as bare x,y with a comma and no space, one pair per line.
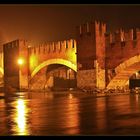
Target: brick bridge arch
61,52
54,61
124,71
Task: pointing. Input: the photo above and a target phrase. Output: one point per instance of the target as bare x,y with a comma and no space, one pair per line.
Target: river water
69,113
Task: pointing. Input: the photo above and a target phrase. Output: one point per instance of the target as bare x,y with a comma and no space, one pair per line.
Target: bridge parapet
89,28
122,35
51,47
62,50
121,45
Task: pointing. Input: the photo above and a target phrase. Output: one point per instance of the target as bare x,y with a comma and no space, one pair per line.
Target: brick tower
91,55
16,65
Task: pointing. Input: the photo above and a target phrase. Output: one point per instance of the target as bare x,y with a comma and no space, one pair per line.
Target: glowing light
1,70
20,61
20,119
33,62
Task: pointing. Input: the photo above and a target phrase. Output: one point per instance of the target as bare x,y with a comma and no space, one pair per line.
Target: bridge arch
54,61
124,71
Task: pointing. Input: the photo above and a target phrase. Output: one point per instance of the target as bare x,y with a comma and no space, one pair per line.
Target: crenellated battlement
122,36
100,27
51,47
121,45
91,27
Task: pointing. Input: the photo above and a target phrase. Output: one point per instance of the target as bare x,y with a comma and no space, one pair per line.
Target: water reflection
70,96
17,114
69,113
72,115
3,120
20,117
101,113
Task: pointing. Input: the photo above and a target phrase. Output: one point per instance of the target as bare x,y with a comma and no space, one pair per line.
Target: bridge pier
91,55
91,79
86,79
53,77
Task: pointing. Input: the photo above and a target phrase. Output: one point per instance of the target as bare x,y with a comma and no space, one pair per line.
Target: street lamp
20,61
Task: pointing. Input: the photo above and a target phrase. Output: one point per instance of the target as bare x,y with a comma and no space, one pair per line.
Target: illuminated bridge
39,67
95,59
107,60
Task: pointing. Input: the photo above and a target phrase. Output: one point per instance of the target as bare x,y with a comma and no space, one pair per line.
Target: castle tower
16,65
91,55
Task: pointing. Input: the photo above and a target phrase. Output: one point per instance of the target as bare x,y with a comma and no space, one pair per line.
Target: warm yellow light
70,96
21,118
48,62
20,61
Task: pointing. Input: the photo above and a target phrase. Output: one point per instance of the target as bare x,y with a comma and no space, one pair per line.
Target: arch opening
54,61
124,72
53,76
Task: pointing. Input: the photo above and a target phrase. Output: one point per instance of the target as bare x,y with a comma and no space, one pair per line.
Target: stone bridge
122,57
62,52
36,60
44,55
107,59
101,59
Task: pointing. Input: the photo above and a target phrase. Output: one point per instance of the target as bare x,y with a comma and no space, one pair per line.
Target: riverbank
85,92
93,93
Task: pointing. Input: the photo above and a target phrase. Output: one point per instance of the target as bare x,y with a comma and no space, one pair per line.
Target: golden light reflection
101,113
20,119
70,96
72,116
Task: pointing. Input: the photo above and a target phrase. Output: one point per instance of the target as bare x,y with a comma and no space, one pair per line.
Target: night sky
42,23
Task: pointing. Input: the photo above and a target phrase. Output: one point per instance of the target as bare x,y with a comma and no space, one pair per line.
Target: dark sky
40,23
